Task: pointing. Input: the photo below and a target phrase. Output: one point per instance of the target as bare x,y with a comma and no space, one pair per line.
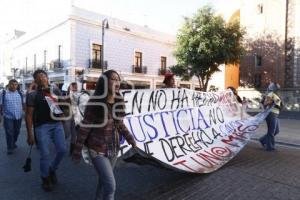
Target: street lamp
105,25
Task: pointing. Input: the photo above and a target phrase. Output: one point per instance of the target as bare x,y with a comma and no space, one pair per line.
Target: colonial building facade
272,43
74,49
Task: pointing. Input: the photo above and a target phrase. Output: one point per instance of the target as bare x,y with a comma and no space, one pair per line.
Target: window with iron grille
138,59
258,61
163,62
96,56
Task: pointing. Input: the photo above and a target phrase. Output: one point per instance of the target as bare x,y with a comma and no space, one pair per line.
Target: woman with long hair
101,130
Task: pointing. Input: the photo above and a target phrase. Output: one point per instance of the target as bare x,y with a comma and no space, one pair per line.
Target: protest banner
187,130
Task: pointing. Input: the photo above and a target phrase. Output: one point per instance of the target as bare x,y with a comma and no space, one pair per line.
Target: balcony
93,63
161,71
139,69
55,65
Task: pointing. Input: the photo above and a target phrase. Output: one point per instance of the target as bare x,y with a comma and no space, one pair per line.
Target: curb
287,144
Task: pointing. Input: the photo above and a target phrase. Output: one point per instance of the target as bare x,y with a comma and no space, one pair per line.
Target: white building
138,53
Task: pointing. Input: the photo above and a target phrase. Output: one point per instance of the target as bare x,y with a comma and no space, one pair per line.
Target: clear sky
163,15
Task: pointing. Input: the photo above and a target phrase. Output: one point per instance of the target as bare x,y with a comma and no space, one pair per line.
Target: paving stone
252,174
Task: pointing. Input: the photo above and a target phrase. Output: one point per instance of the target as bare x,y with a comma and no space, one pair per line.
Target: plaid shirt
12,105
101,139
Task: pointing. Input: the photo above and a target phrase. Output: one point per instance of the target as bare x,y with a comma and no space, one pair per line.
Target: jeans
45,133
273,129
70,129
12,131
106,180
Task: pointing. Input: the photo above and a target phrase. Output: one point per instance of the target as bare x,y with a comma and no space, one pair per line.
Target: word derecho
185,129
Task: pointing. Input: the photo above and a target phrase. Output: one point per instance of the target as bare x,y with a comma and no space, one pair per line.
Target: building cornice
89,17
25,40
121,30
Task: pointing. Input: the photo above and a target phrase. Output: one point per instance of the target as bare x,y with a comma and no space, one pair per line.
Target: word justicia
149,127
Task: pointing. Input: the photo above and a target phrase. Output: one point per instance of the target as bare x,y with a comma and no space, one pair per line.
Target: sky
164,15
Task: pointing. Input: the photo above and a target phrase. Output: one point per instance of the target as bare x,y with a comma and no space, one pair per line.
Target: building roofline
118,24
26,39
90,17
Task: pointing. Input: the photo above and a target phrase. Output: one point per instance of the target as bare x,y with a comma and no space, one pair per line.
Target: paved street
252,174
289,132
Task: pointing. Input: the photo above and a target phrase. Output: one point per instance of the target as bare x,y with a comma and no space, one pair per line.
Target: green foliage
203,43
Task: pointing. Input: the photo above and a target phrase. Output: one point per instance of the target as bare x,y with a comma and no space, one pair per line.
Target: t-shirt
42,113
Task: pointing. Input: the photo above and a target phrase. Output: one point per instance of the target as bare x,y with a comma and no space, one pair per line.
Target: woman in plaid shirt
101,130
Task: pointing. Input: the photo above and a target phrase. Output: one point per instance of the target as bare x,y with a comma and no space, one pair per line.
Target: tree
203,43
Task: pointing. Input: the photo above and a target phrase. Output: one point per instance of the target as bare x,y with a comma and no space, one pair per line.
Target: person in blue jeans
11,107
48,127
101,130
272,100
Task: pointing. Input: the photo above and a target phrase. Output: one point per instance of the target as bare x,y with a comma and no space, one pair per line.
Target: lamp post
105,25
277,65
22,78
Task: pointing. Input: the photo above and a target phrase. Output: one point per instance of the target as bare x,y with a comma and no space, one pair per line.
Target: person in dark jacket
101,130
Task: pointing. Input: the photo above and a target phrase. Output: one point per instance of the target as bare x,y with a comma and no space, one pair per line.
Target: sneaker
46,184
53,177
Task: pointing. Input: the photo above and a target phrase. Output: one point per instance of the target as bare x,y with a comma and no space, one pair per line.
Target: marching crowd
51,118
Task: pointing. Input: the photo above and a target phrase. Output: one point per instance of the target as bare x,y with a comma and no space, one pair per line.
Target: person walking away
273,101
12,107
101,130
47,127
